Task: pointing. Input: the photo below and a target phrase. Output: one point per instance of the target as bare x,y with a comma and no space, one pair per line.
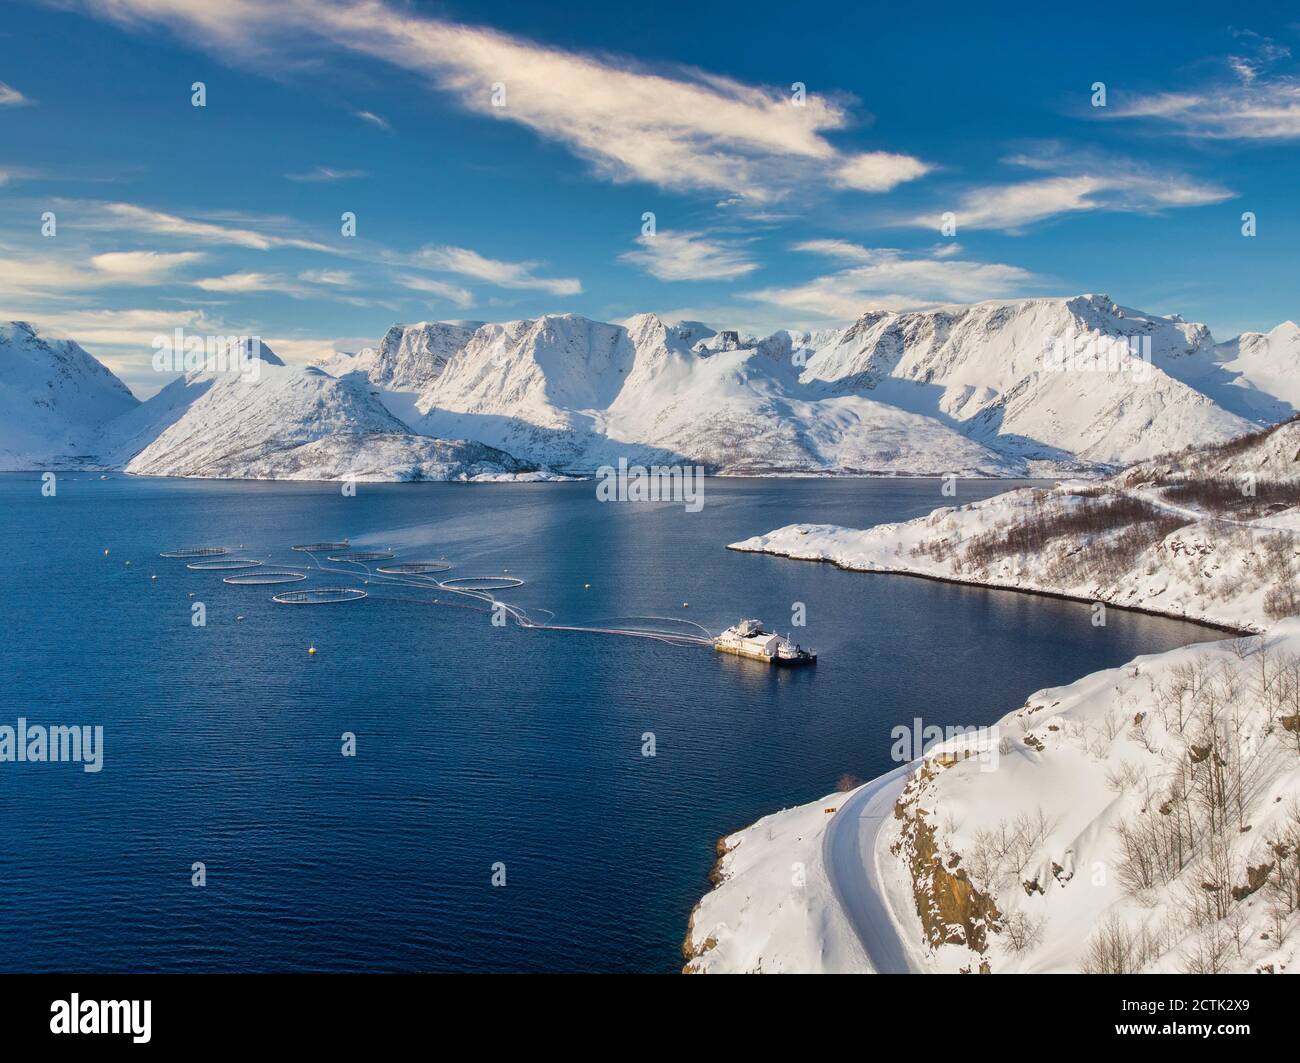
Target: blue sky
769,211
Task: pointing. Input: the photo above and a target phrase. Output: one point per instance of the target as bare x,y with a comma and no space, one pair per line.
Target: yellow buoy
311,651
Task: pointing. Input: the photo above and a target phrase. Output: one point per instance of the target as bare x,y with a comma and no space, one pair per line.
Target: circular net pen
413,568
228,564
363,555
196,551
482,583
322,548
319,596
264,578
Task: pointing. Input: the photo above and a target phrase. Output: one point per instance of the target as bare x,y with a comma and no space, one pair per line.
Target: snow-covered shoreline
1204,571
795,552
1142,818
1052,860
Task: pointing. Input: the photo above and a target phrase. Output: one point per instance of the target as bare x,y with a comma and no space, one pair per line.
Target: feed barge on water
749,639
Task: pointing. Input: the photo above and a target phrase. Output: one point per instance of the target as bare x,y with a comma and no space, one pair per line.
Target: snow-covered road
849,854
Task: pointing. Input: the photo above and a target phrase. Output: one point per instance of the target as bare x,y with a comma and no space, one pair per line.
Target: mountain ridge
965,389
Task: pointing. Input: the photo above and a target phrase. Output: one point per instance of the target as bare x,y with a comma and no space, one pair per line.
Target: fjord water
476,745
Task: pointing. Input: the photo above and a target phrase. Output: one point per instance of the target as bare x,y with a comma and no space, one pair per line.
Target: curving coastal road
849,854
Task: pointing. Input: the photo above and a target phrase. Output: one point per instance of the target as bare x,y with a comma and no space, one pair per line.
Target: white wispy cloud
1249,110
11,97
144,266
326,173
132,218
132,328
468,263
22,273
373,119
246,281
878,171
1091,184
678,129
338,277
453,293
688,256
844,250
893,280
1248,103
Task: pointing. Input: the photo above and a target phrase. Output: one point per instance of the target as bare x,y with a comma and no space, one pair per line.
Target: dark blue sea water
475,744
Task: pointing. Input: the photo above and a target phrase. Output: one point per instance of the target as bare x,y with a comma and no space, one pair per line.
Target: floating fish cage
322,548
363,555
264,578
319,596
223,565
195,551
482,583
413,568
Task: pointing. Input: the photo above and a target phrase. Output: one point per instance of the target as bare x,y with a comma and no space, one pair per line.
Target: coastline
1043,592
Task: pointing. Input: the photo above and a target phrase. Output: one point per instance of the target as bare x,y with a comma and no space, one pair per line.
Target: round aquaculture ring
362,555
319,596
195,551
264,578
226,564
413,568
322,548
482,583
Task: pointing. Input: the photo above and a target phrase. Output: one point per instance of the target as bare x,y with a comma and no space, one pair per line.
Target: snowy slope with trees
1206,535
1144,818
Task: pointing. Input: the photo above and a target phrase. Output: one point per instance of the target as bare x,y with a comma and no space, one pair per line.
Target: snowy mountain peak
53,397
410,357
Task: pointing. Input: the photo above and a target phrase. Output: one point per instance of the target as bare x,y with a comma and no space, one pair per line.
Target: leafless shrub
1021,932
1209,954
1123,777
1112,949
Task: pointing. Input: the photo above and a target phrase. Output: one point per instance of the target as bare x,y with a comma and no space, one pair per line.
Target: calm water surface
475,744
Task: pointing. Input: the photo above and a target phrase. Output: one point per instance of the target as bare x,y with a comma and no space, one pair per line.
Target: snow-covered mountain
577,394
1043,378
994,389
1265,368
972,389
286,422
53,398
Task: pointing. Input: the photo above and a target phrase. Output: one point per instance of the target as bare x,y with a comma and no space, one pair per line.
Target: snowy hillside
53,398
999,371
288,422
1265,367
1144,818
1155,538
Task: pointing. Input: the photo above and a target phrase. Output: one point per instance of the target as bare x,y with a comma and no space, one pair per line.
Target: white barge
748,639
